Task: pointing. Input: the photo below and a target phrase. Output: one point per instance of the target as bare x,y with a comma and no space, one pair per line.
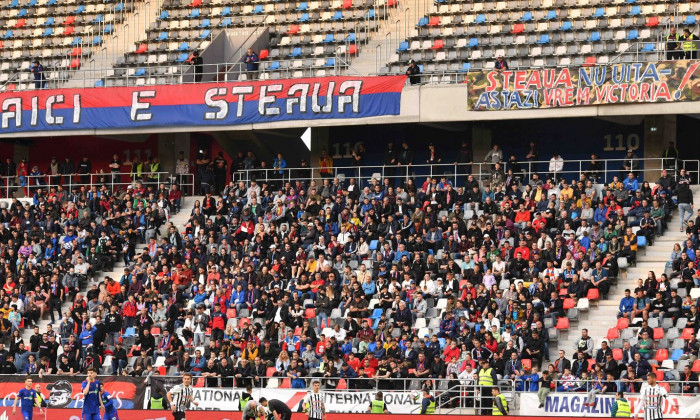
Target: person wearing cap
501,64
413,72
630,163
198,64
487,378
39,79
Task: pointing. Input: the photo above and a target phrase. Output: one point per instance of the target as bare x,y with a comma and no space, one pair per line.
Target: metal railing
585,385
28,185
647,168
640,52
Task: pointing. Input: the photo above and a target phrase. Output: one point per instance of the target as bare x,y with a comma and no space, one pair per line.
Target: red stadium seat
593,294
230,313
196,3
75,63
665,386
76,52
310,313
518,28
687,333
243,322
270,371
569,303
142,48
352,49
438,44
264,54
658,333
696,366
591,364
617,354
661,355
659,375
434,21
590,61
162,370
527,363
347,4
652,22
342,384
623,323
69,20
69,30
297,331
293,29
563,291
286,383
20,23
155,331
392,3
613,333
562,323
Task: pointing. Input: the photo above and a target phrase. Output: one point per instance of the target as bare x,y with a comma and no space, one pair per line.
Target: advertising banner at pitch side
336,401
666,81
571,404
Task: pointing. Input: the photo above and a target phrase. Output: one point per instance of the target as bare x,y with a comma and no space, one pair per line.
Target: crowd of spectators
397,279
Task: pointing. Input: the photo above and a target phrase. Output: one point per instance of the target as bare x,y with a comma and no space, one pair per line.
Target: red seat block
518,28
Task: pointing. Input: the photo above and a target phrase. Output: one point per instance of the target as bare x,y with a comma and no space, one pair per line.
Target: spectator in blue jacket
626,304
631,184
237,299
251,60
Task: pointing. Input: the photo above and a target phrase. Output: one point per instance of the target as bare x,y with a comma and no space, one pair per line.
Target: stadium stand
62,35
302,279
459,36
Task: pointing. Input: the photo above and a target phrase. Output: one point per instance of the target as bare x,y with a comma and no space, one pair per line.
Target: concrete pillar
169,147
481,144
319,142
659,130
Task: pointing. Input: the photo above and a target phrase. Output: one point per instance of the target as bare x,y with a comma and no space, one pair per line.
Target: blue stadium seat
303,6
8,34
80,9
205,23
595,37
97,40
226,22
99,19
140,72
163,36
109,29
338,15
329,38
52,2
330,62
163,15
49,21
304,17
473,42
258,9
47,32
183,57
351,37
480,18
377,313
420,67
633,34
205,34
226,11
373,244
76,41
99,83
275,65
566,25
14,4
33,3
465,67
403,46
552,14
648,47
22,13
599,12
677,354
527,16
370,14
184,46
544,39
636,10
296,52
194,14
423,21
690,20
630,1
121,7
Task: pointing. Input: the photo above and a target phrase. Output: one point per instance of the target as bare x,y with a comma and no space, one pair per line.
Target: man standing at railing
8,171
325,163
673,47
198,63
252,61
38,71
67,170
689,49
84,169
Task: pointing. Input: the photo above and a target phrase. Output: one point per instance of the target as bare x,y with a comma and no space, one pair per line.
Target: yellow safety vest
623,408
497,411
156,403
485,378
377,407
243,402
431,408
689,43
136,170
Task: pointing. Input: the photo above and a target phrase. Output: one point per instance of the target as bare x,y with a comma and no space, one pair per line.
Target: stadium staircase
603,316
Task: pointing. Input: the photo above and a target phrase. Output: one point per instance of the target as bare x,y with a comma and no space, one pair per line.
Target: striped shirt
315,404
653,398
181,397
